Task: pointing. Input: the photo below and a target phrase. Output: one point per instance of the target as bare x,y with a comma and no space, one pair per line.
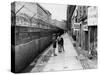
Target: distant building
70,10
60,24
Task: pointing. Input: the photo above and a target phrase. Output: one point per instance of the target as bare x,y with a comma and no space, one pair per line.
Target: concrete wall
26,53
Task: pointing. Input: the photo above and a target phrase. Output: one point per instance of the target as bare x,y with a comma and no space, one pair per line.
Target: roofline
46,11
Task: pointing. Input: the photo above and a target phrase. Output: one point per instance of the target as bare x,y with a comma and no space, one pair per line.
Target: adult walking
54,44
60,44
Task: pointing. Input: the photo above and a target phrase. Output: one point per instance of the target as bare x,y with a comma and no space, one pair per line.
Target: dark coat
54,42
61,42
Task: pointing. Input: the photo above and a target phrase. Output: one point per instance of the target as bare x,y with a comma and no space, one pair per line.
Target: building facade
70,10
79,27
83,32
84,26
60,24
92,26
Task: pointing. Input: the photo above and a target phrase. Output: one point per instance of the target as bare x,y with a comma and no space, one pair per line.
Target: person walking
60,44
58,41
54,44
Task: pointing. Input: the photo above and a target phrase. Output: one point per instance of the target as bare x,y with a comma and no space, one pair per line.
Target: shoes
60,51
55,54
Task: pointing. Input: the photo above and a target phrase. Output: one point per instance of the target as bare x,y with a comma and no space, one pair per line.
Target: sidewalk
83,57
66,60
85,61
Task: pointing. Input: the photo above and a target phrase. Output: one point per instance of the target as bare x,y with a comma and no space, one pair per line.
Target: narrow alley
63,61
40,34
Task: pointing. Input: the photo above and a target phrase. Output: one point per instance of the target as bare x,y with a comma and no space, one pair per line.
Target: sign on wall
85,27
76,26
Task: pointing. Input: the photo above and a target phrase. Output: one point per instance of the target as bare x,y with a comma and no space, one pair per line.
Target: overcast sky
58,11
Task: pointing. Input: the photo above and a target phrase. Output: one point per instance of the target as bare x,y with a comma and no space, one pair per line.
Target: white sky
58,11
